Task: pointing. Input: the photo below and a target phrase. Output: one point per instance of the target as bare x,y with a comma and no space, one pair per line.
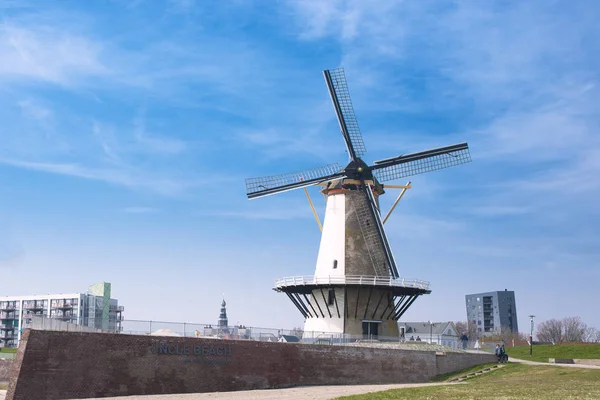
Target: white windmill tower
356,288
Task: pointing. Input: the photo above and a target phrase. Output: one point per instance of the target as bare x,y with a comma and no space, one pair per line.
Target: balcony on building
8,315
33,305
7,327
7,307
7,334
116,309
63,304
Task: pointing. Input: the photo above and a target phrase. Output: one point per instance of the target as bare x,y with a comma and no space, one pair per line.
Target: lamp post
430,332
531,336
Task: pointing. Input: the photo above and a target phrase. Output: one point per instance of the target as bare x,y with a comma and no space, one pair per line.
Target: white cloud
48,54
146,142
134,179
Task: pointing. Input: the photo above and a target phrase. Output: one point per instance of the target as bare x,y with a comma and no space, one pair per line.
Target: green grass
452,375
513,381
9,350
543,352
3,386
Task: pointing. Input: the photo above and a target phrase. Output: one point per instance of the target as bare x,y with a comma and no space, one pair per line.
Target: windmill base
351,307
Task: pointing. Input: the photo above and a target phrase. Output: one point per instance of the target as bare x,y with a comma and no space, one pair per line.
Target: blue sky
127,129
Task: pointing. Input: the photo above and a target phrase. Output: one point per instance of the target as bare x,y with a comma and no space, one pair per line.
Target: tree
550,331
574,329
566,330
466,328
591,334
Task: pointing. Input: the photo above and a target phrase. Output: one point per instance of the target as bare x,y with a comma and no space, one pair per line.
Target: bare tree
590,334
574,329
466,328
550,331
566,330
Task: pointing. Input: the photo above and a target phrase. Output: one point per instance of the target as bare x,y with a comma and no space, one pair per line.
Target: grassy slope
451,375
543,352
511,381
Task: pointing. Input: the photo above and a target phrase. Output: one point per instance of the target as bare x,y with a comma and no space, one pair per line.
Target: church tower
223,322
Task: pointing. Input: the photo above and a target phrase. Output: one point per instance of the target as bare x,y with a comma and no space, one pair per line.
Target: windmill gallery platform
73,365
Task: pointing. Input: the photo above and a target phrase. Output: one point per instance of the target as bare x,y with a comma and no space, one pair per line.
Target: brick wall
456,361
63,365
5,369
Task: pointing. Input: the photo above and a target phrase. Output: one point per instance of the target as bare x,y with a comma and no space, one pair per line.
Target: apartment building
492,312
94,308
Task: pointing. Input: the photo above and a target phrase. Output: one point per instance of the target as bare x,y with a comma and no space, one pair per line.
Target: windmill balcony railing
351,280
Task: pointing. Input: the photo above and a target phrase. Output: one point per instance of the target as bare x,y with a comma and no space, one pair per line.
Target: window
331,298
478,299
334,264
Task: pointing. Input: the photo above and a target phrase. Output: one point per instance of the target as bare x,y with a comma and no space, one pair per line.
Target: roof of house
290,338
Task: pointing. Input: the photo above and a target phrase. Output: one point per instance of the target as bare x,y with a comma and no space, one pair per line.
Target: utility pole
531,336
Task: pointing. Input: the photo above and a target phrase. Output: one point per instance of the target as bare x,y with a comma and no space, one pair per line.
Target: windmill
356,288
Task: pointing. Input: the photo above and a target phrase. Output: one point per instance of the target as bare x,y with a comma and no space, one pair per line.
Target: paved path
511,359
556,365
298,393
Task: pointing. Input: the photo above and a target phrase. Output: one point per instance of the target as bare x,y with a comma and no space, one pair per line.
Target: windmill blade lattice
418,163
340,96
266,185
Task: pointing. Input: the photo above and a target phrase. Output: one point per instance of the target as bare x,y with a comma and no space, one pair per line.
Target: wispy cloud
34,110
47,54
128,178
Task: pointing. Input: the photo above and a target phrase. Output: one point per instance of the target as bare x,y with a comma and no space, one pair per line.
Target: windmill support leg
346,301
395,308
308,301
336,304
406,306
378,303
326,303
385,309
368,302
357,301
318,306
296,304
307,311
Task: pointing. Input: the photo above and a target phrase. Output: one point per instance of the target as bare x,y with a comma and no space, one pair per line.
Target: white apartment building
93,308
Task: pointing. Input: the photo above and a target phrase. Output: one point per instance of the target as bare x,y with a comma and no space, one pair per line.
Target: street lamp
430,332
531,336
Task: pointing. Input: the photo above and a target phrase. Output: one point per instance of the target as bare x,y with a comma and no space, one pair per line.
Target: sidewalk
297,393
511,359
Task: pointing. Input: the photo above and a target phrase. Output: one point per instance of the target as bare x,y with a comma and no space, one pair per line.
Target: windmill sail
418,163
340,96
267,185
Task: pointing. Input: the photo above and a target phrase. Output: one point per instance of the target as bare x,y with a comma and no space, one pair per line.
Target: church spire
223,322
